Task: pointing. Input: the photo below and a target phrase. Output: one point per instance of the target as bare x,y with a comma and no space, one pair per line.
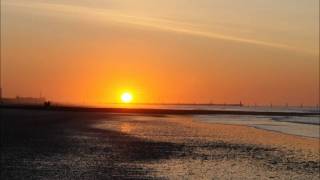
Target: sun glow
126,97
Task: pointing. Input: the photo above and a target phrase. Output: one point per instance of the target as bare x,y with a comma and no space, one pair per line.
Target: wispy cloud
106,15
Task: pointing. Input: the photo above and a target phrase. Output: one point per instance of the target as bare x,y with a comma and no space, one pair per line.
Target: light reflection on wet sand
126,128
181,128
207,162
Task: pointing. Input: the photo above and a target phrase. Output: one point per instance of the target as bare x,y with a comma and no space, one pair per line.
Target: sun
126,97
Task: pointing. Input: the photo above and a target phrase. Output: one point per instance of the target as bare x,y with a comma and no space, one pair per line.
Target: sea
305,126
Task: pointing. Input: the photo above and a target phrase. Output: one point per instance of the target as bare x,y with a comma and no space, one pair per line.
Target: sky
163,51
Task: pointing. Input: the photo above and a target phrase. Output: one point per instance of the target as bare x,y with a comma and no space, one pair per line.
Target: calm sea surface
230,108
308,126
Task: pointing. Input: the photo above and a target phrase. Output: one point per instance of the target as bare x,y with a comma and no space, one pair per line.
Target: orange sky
162,51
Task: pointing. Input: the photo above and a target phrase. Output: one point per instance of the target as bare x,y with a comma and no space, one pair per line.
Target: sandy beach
95,145
159,89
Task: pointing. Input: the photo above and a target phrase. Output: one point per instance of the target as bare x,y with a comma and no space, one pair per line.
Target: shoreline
285,125
156,111
268,130
284,133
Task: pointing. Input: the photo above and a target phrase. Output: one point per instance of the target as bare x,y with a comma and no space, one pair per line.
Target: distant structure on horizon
23,100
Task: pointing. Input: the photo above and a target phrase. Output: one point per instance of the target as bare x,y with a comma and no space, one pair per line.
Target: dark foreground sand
79,145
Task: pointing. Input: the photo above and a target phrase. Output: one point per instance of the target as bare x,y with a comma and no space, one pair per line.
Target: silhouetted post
47,104
0,66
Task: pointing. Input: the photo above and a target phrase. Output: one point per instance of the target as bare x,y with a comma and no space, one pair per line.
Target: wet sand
92,145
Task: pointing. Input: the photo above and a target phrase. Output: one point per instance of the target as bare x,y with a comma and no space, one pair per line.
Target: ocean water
311,120
308,126
227,108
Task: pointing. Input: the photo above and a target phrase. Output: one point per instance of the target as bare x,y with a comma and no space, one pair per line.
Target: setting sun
126,97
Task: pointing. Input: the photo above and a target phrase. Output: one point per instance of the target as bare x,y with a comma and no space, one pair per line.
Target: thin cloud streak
147,22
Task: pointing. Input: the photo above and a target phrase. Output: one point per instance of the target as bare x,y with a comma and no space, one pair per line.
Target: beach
95,145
